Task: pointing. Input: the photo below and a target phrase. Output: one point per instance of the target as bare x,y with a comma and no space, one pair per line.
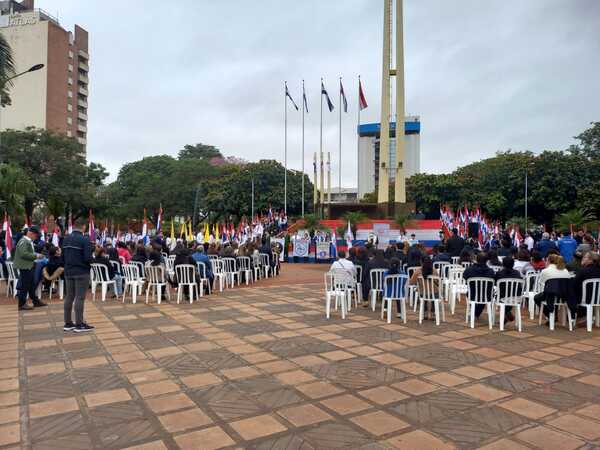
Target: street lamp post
31,69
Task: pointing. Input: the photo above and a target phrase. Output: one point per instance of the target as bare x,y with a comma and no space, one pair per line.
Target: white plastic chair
265,263
133,282
231,273
185,274
376,276
156,281
219,273
12,278
201,268
456,260
509,292
531,289
244,269
100,277
141,269
412,292
559,305
256,266
466,264
591,290
2,276
439,266
359,282
396,286
430,291
337,287
170,266
480,291
456,286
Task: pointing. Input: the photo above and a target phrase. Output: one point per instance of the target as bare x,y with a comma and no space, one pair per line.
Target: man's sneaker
69,326
83,328
39,304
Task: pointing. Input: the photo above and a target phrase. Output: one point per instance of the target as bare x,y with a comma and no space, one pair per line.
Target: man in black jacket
508,271
77,253
455,244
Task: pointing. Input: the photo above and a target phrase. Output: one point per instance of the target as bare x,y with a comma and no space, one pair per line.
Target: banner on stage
323,249
301,245
281,242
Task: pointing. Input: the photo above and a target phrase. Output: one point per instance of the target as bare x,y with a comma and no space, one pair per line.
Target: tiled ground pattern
261,368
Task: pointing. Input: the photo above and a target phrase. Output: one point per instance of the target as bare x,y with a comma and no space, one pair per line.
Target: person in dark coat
508,271
455,243
478,270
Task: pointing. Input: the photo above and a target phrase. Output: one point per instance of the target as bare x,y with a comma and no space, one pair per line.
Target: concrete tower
386,75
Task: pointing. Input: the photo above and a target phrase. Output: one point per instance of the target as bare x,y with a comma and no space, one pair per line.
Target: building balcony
82,103
82,91
82,141
81,128
84,54
83,66
82,116
83,79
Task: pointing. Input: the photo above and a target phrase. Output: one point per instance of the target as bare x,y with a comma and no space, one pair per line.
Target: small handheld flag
362,101
344,101
287,94
159,220
324,92
7,235
91,227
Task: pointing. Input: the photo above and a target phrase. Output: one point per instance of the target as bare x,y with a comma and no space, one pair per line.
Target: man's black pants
25,286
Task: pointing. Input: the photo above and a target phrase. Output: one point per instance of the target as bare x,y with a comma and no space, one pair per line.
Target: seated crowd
497,262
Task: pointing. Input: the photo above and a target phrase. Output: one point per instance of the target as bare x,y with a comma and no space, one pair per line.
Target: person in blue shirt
395,269
544,245
199,256
567,246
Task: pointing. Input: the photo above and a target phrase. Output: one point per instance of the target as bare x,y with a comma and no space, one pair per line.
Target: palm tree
354,217
7,70
575,218
403,221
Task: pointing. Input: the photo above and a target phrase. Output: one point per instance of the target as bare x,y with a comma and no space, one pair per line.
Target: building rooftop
412,125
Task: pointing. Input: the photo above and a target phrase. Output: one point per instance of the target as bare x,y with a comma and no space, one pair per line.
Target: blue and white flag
324,92
287,94
344,101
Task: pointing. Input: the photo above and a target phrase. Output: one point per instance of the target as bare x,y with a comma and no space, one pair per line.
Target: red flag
362,101
91,227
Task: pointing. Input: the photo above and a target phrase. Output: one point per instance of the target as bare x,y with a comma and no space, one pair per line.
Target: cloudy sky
482,75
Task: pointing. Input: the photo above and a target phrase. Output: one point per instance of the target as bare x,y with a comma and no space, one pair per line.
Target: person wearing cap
24,261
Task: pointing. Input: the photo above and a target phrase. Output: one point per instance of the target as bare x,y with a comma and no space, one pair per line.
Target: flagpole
322,193
252,197
340,142
303,96
285,152
358,146
329,180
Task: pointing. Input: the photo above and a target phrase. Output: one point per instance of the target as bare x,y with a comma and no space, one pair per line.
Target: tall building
369,154
56,97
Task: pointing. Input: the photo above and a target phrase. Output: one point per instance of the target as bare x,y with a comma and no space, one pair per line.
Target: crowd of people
40,263
565,257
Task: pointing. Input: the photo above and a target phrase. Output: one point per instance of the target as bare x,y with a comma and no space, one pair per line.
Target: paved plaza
261,368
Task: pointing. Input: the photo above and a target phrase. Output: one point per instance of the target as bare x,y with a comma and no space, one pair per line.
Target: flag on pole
324,92
91,227
217,232
362,101
7,235
349,235
190,231
70,225
345,102
56,236
145,228
44,230
287,94
206,232
304,98
182,229
159,220
172,230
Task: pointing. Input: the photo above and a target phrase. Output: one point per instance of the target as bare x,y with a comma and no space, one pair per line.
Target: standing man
455,244
77,253
24,260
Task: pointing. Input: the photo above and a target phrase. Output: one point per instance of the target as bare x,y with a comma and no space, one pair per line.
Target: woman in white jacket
556,268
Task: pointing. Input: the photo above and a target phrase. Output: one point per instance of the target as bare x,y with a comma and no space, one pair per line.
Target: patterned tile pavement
261,368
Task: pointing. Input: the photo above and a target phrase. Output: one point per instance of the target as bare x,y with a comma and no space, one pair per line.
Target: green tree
7,70
14,186
199,151
574,218
57,168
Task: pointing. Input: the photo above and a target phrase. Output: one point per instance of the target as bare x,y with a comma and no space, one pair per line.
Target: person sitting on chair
55,267
508,271
479,270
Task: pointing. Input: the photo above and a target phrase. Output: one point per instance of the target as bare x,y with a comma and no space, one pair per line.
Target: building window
70,80
69,120
70,54
69,107
70,93
70,67
69,134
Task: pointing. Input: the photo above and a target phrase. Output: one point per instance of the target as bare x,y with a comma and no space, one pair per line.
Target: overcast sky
482,75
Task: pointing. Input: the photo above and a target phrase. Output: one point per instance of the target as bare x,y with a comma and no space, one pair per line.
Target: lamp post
31,69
